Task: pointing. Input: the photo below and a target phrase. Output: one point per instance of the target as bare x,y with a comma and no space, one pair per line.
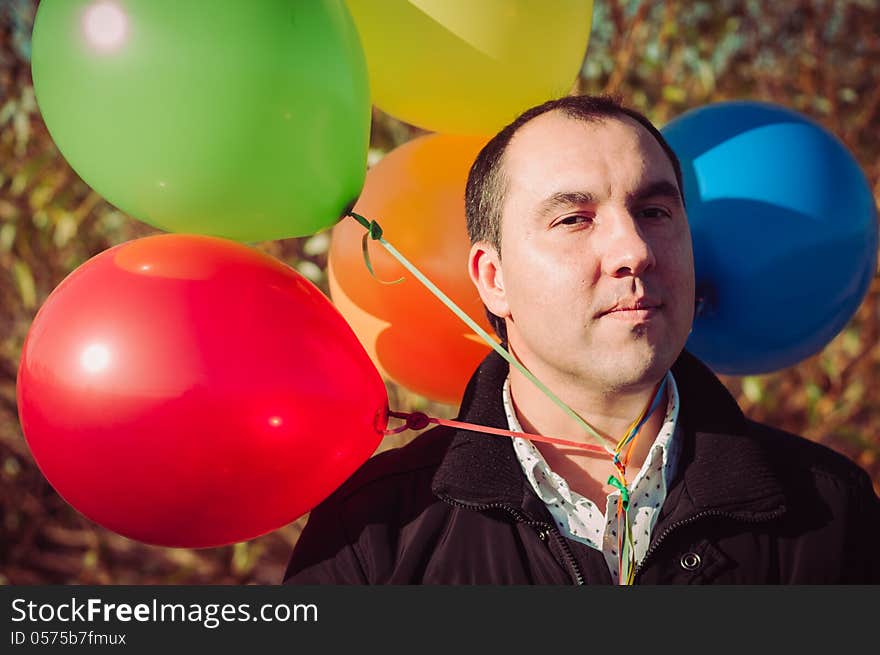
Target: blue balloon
784,229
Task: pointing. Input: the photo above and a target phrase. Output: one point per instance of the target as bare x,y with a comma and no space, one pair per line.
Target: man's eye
575,219
654,212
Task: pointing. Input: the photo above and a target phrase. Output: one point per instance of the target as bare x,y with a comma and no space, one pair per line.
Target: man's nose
625,249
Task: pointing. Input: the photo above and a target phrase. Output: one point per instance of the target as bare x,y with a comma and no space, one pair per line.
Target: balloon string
420,420
625,548
375,233
636,425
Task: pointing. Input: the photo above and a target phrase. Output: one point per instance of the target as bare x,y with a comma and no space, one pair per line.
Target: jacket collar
722,467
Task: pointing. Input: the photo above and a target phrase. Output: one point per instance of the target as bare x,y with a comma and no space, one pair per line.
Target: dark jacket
750,505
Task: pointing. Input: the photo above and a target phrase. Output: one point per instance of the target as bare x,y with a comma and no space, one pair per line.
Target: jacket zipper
737,517
542,528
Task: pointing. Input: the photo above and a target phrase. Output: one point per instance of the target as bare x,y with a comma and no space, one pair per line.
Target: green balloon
241,119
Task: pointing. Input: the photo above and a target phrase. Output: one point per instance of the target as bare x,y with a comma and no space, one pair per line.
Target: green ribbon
374,232
624,492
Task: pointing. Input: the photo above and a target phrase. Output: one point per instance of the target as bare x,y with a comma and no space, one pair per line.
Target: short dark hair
486,185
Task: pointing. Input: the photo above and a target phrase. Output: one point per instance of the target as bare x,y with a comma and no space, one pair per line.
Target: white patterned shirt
578,517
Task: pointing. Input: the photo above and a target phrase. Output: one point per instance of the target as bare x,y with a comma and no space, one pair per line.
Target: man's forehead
555,148
550,131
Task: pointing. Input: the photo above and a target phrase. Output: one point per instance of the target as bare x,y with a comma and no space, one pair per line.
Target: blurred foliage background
820,57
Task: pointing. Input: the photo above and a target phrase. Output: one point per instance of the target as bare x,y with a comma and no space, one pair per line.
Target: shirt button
690,561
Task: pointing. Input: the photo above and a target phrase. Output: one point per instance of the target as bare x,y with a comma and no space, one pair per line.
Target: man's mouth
633,309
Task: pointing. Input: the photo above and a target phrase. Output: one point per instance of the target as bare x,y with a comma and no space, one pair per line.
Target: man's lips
633,308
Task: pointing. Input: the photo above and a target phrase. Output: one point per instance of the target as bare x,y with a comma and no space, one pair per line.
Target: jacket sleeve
324,554
864,553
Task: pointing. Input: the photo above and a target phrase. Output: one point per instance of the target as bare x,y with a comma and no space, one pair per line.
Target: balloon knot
417,421
414,421
375,231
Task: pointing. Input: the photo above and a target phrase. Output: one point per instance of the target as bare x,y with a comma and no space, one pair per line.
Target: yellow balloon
470,66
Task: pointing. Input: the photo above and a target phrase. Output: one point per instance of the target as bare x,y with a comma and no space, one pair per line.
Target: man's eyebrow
563,199
663,188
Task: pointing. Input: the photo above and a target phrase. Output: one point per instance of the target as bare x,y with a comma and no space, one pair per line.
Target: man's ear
484,267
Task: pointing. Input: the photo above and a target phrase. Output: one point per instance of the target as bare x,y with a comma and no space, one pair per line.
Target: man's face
596,275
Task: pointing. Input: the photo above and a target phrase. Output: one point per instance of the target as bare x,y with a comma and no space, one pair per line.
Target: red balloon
190,391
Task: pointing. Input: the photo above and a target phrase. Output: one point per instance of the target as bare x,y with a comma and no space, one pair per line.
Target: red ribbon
420,420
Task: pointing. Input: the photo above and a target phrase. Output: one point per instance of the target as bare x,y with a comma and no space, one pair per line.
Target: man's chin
636,369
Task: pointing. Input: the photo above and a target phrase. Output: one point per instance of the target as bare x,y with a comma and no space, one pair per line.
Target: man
582,255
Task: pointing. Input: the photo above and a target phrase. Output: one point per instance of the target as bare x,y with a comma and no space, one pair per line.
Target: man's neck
609,413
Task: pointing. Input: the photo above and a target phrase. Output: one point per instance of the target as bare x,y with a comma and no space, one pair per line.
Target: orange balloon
416,194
